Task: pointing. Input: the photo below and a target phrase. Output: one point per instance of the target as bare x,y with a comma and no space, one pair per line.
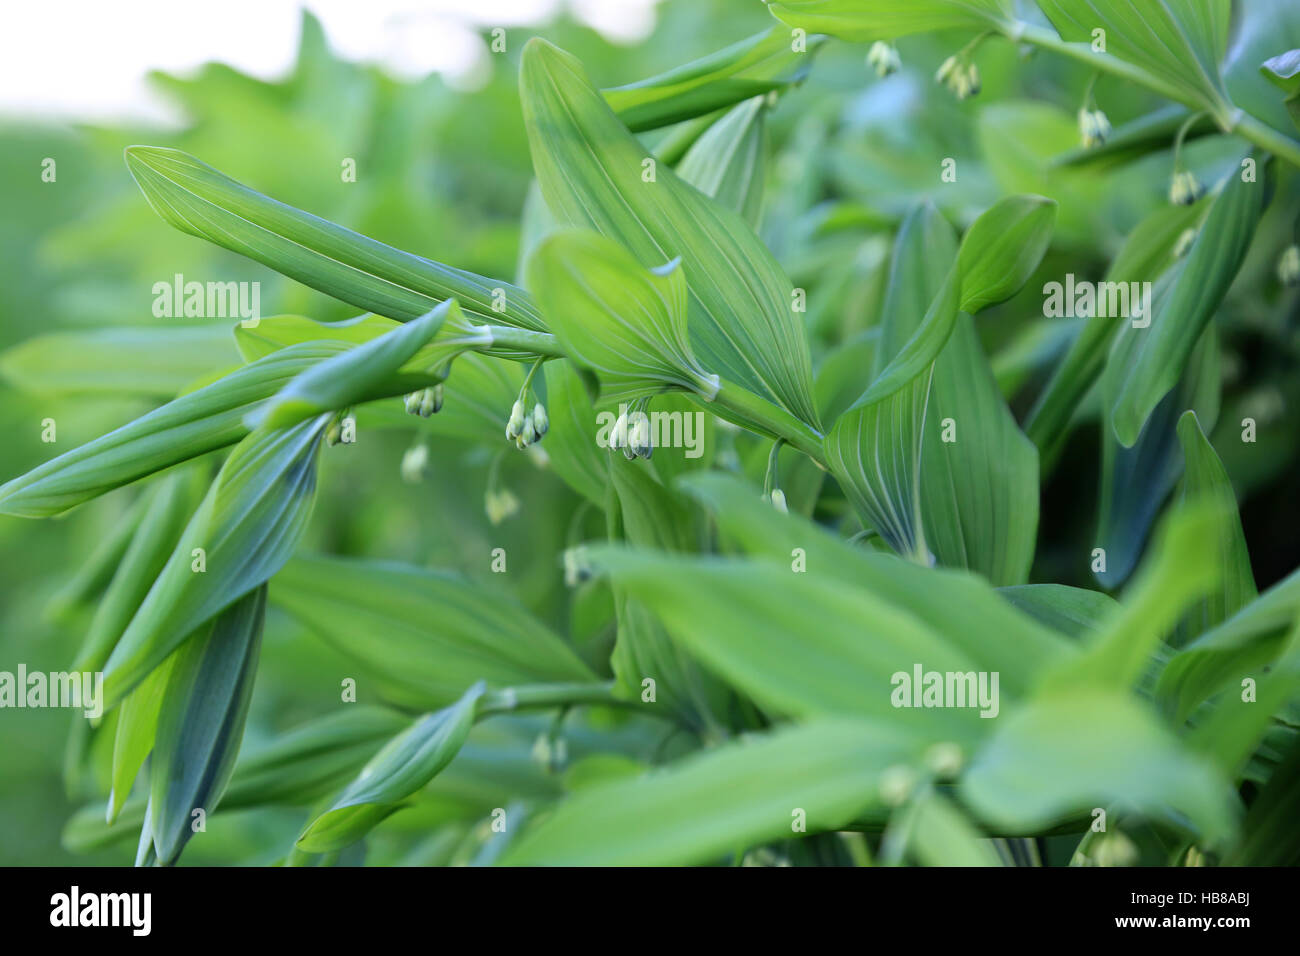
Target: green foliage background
445,174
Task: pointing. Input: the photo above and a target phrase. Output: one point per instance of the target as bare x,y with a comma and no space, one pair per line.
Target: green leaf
432,632
738,618
729,162
874,448
764,62
1205,477
1136,481
1002,248
624,322
1073,611
152,362
979,493
408,762
1145,363
1177,573
960,606
201,722
189,426
354,375
935,833
575,457
1239,647
1053,761
1230,733
1146,253
137,727
590,168
247,527
1178,44
169,506
723,801
651,516
197,199
275,332
863,20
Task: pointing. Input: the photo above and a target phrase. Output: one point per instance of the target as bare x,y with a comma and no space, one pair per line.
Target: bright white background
87,59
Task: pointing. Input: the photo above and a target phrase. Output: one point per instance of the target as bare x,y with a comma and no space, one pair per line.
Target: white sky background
87,59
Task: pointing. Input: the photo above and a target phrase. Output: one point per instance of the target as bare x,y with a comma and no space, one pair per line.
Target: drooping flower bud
1094,128
778,501
414,463
1288,266
541,421
883,58
413,402
516,423
640,442
500,505
1185,188
431,401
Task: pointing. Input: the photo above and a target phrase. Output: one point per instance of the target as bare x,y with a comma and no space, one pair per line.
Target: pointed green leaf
246,528
354,375
137,727
717,803
433,632
594,173
1056,759
729,162
961,607
754,66
201,722
741,618
1146,362
195,198
863,20
1205,477
404,766
1239,647
153,362
621,320
170,504
1002,248
1179,44
189,426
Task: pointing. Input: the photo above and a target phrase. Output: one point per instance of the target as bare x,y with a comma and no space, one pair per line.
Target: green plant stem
510,699
543,344
773,419
1229,120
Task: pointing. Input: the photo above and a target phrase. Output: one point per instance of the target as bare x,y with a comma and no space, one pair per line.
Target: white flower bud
1288,266
541,421
778,501
414,463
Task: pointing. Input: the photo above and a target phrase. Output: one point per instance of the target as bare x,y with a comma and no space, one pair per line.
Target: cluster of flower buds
1185,188
883,58
632,434
1094,128
425,402
960,75
524,427
500,504
1288,267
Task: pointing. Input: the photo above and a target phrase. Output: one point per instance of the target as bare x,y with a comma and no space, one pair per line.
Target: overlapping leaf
197,199
594,173
201,722
408,762
432,632
246,528
754,66
863,20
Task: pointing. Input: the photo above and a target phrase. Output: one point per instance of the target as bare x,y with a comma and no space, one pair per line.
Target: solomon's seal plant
949,580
